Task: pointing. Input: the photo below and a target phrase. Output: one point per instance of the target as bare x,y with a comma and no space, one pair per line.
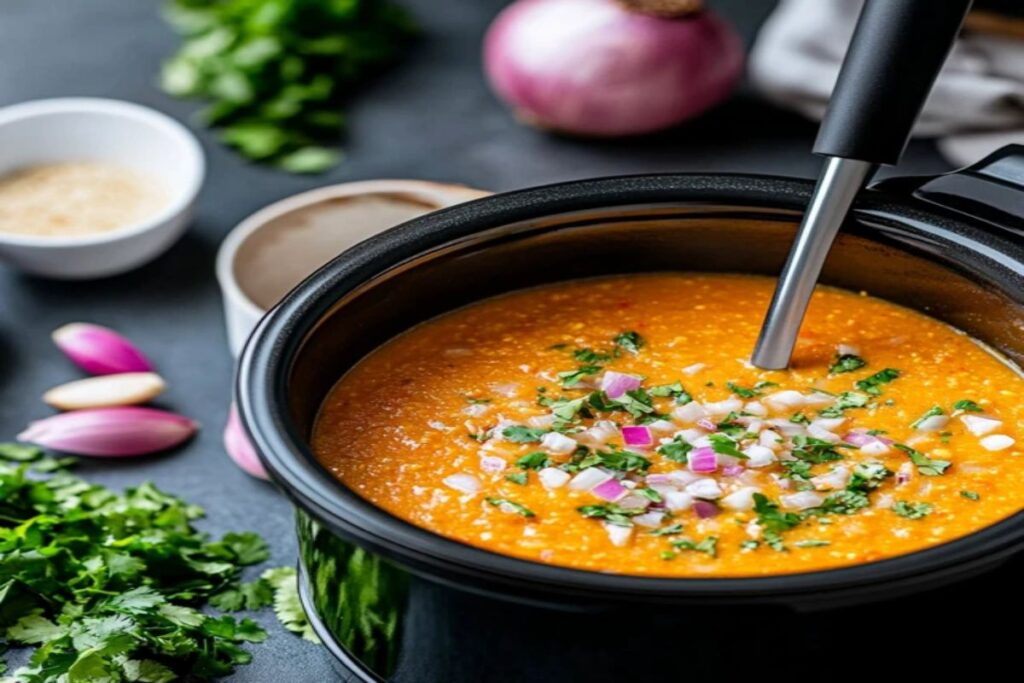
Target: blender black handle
874,105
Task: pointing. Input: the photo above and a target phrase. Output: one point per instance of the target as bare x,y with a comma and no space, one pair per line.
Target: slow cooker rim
266,363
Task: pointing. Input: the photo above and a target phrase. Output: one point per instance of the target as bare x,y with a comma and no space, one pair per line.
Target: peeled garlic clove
99,350
239,448
124,389
110,432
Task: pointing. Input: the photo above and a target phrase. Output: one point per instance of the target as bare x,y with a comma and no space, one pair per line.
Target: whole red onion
594,67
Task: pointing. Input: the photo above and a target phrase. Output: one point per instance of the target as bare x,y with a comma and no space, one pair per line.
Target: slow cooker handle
894,58
991,190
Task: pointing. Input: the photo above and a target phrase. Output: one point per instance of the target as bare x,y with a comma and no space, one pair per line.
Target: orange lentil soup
615,425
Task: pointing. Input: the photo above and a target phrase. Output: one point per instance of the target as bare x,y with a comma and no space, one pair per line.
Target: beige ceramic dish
274,249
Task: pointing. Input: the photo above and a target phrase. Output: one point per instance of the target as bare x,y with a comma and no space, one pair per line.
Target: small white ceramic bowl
111,131
274,249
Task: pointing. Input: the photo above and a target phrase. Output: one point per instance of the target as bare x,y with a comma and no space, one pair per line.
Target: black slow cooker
394,602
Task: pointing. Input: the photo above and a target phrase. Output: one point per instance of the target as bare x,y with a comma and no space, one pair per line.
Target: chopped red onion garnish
589,478
707,424
637,435
705,509
610,490
616,384
733,470
703,459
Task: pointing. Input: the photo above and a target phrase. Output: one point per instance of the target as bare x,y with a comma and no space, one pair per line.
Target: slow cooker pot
394,602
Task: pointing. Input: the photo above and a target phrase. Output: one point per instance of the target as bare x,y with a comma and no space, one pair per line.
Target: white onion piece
848,350
932,423
707,489
476,410
691,412
677,500
755,408
829,423
598,434
741,499
786,427
770,439
492,463
802,500
553,478
618,535
758,456
662,426
589,478
996,442
980,425
784,400
875,447
831,481
649,519
693,369
557,444
823,434
465,483
690,436
508,389
541,421
719,409
817,399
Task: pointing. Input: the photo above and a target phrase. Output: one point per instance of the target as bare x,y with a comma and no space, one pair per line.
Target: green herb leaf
517,478
724,445
506,505
671,530
924,464
872,385
571,378
934,411
847,362
970,495
611,513
816,451
630,341
912,510
708,546
536,460
742,392
676,450
675,390
521,434
967,406
811,543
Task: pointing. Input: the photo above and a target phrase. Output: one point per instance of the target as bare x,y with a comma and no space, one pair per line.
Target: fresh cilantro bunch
278,72
110,586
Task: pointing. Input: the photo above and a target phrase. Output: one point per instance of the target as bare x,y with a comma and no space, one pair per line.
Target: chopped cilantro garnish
517,478
609,512
670,530
668,555
742,392
566,410
842,503
811,543
708,546
724,445
934,411
970,495
477,401
629,341
800,419
521,434
845,401
649,493
847,362
871,385
868,476
924,464
637,402
506,505
797,469
615,459
773,521
590,357
534,461
967,406
912,510
675,390
749,544
816,450
571,378
676,450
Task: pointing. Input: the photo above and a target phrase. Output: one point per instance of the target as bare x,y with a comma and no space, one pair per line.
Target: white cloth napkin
976,106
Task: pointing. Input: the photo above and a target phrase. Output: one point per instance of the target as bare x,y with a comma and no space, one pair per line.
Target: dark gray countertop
431,118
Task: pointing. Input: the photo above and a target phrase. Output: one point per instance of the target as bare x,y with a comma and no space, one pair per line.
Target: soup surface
616,425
